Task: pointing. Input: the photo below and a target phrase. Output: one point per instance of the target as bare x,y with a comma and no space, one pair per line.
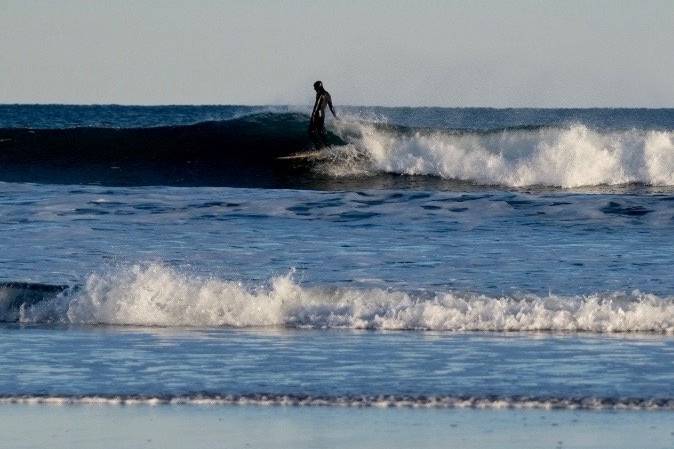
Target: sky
507,53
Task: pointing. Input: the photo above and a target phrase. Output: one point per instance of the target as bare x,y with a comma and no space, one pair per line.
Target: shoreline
400,402
167,426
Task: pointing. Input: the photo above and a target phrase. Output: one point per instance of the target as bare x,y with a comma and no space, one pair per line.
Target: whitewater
573,156
156,295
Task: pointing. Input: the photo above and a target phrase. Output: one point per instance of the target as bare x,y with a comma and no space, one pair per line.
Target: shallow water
283,427
520,370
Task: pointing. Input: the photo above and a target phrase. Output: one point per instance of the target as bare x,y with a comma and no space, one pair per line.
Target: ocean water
425,258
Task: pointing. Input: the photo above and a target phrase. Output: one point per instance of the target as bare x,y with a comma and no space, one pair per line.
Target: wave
157,295
568,157
241,151
255,138
246,151
361,401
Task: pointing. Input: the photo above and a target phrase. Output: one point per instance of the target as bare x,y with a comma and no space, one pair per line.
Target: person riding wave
317,122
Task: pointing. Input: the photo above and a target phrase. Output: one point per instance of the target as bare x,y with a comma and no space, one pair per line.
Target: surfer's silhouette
317,123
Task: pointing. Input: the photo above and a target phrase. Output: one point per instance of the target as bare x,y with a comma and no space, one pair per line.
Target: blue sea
509,259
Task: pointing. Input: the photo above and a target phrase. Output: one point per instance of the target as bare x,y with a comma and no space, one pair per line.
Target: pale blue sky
428,53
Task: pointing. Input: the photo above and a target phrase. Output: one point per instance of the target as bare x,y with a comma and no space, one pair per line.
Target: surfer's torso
322,101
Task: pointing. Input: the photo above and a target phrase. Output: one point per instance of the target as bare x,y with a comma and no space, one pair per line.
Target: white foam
379,401
568,157
157,295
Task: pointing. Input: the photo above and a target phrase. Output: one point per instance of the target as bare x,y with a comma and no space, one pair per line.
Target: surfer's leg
318,132
322,133
315,140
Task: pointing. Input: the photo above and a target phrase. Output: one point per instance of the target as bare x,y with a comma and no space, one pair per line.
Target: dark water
118,116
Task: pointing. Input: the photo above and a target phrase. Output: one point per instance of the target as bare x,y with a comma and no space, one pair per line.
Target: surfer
317,122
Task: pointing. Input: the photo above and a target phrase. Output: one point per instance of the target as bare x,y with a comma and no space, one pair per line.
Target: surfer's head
318,86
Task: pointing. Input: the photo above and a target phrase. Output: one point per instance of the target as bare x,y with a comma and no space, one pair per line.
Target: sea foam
359,401
568,157
157,295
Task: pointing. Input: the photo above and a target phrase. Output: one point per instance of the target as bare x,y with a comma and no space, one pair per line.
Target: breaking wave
157,295
254,150
573,156
381,401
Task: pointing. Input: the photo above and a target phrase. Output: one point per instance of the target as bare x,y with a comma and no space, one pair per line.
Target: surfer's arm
332,109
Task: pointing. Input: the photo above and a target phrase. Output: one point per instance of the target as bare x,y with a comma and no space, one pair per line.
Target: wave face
256,138
246,151
380,401
239,151
573,156
156,295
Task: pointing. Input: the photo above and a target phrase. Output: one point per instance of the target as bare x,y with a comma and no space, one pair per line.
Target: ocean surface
424,258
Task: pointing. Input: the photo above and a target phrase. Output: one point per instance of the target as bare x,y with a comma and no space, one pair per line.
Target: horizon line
151,105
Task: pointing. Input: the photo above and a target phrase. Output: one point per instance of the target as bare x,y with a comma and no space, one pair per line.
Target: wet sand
40,426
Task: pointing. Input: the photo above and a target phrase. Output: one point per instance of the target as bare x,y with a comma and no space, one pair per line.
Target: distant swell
156,295
245,151
381,401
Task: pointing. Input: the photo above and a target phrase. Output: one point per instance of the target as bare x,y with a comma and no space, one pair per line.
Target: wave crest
157,295
575,156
